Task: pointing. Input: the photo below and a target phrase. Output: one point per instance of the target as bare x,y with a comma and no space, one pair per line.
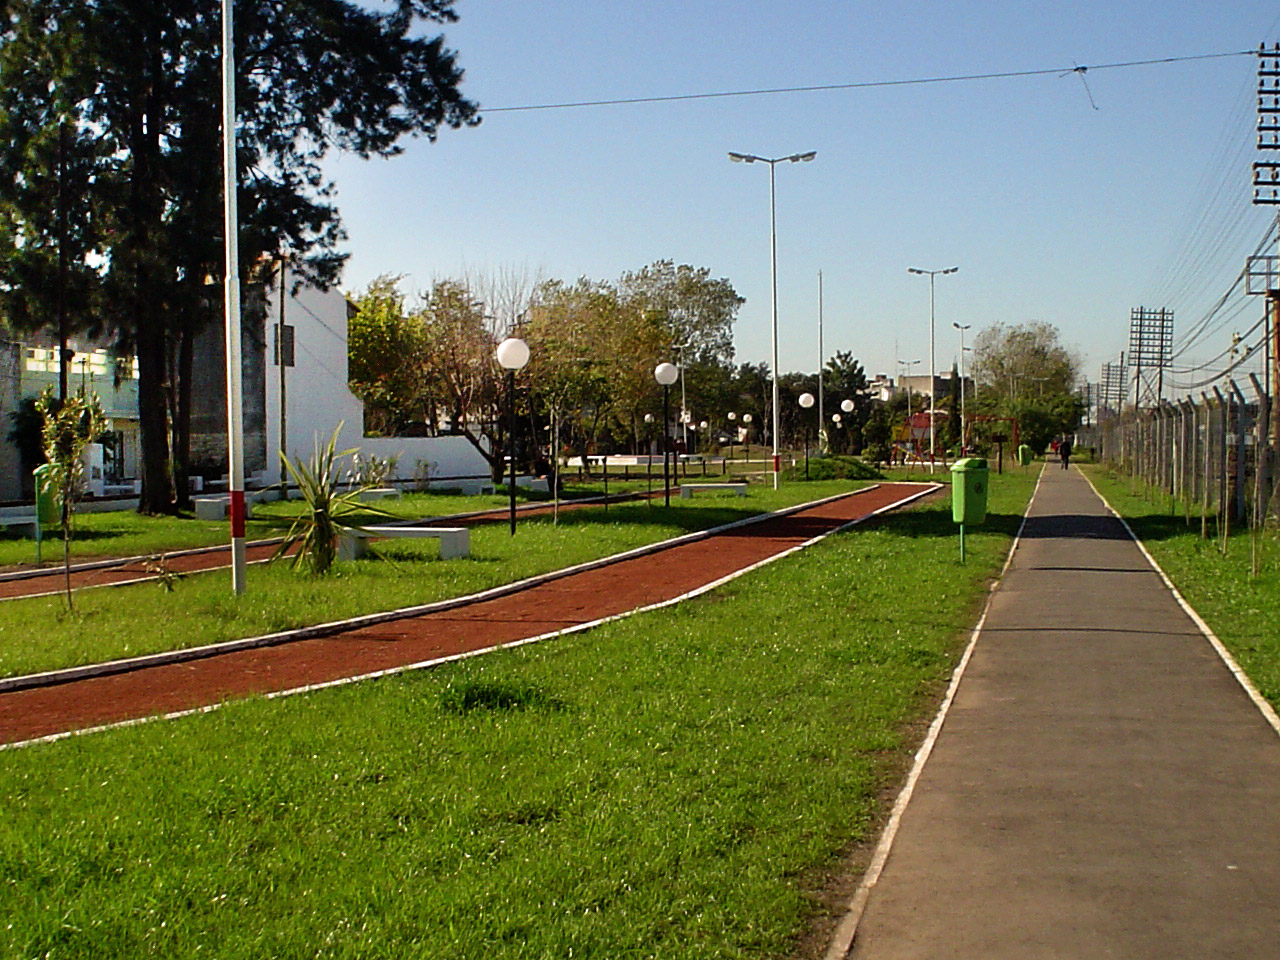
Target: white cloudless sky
1052,210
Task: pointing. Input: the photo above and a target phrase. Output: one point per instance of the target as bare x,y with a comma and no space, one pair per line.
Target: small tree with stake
68,427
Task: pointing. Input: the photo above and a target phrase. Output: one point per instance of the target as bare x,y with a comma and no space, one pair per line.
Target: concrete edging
441,661
127,665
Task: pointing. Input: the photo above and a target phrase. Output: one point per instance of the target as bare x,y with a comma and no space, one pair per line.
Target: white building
317,398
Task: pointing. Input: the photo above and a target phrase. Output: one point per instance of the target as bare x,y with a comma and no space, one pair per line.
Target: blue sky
1053,210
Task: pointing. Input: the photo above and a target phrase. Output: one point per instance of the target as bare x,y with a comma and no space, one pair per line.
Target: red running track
564,603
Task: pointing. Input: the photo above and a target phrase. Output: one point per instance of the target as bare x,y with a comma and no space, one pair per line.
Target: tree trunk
182,429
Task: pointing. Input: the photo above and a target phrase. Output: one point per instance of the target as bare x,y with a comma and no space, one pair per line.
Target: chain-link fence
1213,456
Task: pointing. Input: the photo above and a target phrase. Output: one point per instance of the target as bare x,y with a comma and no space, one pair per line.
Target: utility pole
1261,272
1150,350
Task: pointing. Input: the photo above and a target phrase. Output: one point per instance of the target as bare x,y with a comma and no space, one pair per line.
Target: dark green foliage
464,696
837,468
134,86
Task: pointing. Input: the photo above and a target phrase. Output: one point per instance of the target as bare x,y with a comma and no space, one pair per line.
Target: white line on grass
847,929
440,661
1259,701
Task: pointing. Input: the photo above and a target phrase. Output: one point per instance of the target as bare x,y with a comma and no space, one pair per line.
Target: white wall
318,397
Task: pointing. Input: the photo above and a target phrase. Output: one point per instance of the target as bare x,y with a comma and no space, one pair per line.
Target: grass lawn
39,634
672,785
1242,610
124,533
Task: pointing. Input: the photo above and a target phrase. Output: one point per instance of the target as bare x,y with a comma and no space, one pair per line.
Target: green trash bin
47,511
969,490
1025,455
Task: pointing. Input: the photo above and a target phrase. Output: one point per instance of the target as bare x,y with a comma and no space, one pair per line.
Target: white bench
468,488
687,489
538,484
23,523
217,508
454,541
379,493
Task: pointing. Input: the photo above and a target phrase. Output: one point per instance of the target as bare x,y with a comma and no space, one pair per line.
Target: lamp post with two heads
773,266
932,354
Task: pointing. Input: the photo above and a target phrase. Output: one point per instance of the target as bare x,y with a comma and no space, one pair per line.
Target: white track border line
1264,707
842,940
440,661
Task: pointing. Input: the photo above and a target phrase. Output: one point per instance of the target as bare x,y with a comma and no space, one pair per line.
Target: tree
1023,360
694,309
952,427
845,379
386,358
50,235
70,425
312,76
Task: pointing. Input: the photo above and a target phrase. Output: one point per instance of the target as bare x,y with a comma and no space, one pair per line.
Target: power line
865,84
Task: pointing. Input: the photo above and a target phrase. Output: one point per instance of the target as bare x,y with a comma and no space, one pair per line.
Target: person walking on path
1064,451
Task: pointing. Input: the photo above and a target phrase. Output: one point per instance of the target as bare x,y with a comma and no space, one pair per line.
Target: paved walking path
1102,786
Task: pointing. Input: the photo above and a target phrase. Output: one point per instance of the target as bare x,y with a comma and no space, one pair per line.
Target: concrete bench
687,489
23,523
454,541
217,508
379,493
538,484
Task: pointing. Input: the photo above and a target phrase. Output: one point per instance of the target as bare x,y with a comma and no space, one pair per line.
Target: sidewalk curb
847,929
1264,706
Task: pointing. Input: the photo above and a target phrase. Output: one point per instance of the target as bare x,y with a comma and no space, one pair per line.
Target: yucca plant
315,532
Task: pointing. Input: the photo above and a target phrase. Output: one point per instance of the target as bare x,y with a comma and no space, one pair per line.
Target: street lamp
773,265
964,433
732,431
806,401
746,443
932,354
665,374
847,406
512,354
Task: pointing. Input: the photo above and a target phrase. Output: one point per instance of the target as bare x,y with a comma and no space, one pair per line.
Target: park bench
217,507
454,541
379,493
687,489
465,486
25,524
538,484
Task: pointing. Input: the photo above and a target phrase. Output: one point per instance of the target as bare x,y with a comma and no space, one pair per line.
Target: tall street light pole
231,305
933,365
821,356
773,266
963,423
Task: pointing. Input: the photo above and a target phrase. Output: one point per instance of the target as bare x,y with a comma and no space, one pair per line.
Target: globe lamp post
806,401
512,354
666,374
